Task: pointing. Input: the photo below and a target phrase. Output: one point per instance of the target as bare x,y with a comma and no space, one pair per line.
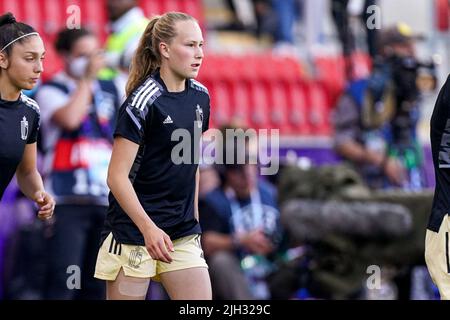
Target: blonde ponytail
144,61
147,58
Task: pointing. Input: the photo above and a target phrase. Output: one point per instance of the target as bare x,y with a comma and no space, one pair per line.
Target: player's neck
172,82
8,91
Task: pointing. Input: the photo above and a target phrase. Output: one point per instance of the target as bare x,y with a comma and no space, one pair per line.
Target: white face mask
78,67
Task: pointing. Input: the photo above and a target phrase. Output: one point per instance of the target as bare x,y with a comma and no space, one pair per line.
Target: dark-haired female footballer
21,55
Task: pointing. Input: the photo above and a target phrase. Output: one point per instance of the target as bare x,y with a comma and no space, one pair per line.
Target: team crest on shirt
199,116
24,128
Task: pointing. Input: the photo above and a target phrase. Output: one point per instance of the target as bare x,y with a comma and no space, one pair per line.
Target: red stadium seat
170,5
290,69
279,106
228,67
241,107
195,9
220,104
331,72
260,106
298,112
265,68
319,110
442,14
67,3
54,15
209,85
223,68
214,69
274,67
13,6
32,14
205,69
192,7
151,7
247,68
94,17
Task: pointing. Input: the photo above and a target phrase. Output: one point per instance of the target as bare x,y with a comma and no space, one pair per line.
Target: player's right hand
158,244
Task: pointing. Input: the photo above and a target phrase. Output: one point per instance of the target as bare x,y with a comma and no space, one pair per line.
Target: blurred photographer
375,120
78,113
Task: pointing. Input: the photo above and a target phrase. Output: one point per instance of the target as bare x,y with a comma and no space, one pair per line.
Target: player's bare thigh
187,284
127,288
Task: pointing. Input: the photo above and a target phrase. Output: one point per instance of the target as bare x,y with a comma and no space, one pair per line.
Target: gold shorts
136,261
437,257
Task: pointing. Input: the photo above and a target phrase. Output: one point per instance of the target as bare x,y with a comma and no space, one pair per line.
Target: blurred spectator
240,223
313,12
209,179
127,24
375,119
342,11
265,18
287,12
238,23
341,18
371,33
255,16
78,112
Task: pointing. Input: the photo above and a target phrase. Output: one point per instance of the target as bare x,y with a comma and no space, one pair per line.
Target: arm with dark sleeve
28,177
439,124
35,132
197,182
441,109
206,116
131,122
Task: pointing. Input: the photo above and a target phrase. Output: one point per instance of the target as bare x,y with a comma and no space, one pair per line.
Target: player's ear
164,50
3,60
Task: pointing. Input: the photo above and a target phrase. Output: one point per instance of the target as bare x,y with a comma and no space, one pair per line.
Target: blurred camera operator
375,119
